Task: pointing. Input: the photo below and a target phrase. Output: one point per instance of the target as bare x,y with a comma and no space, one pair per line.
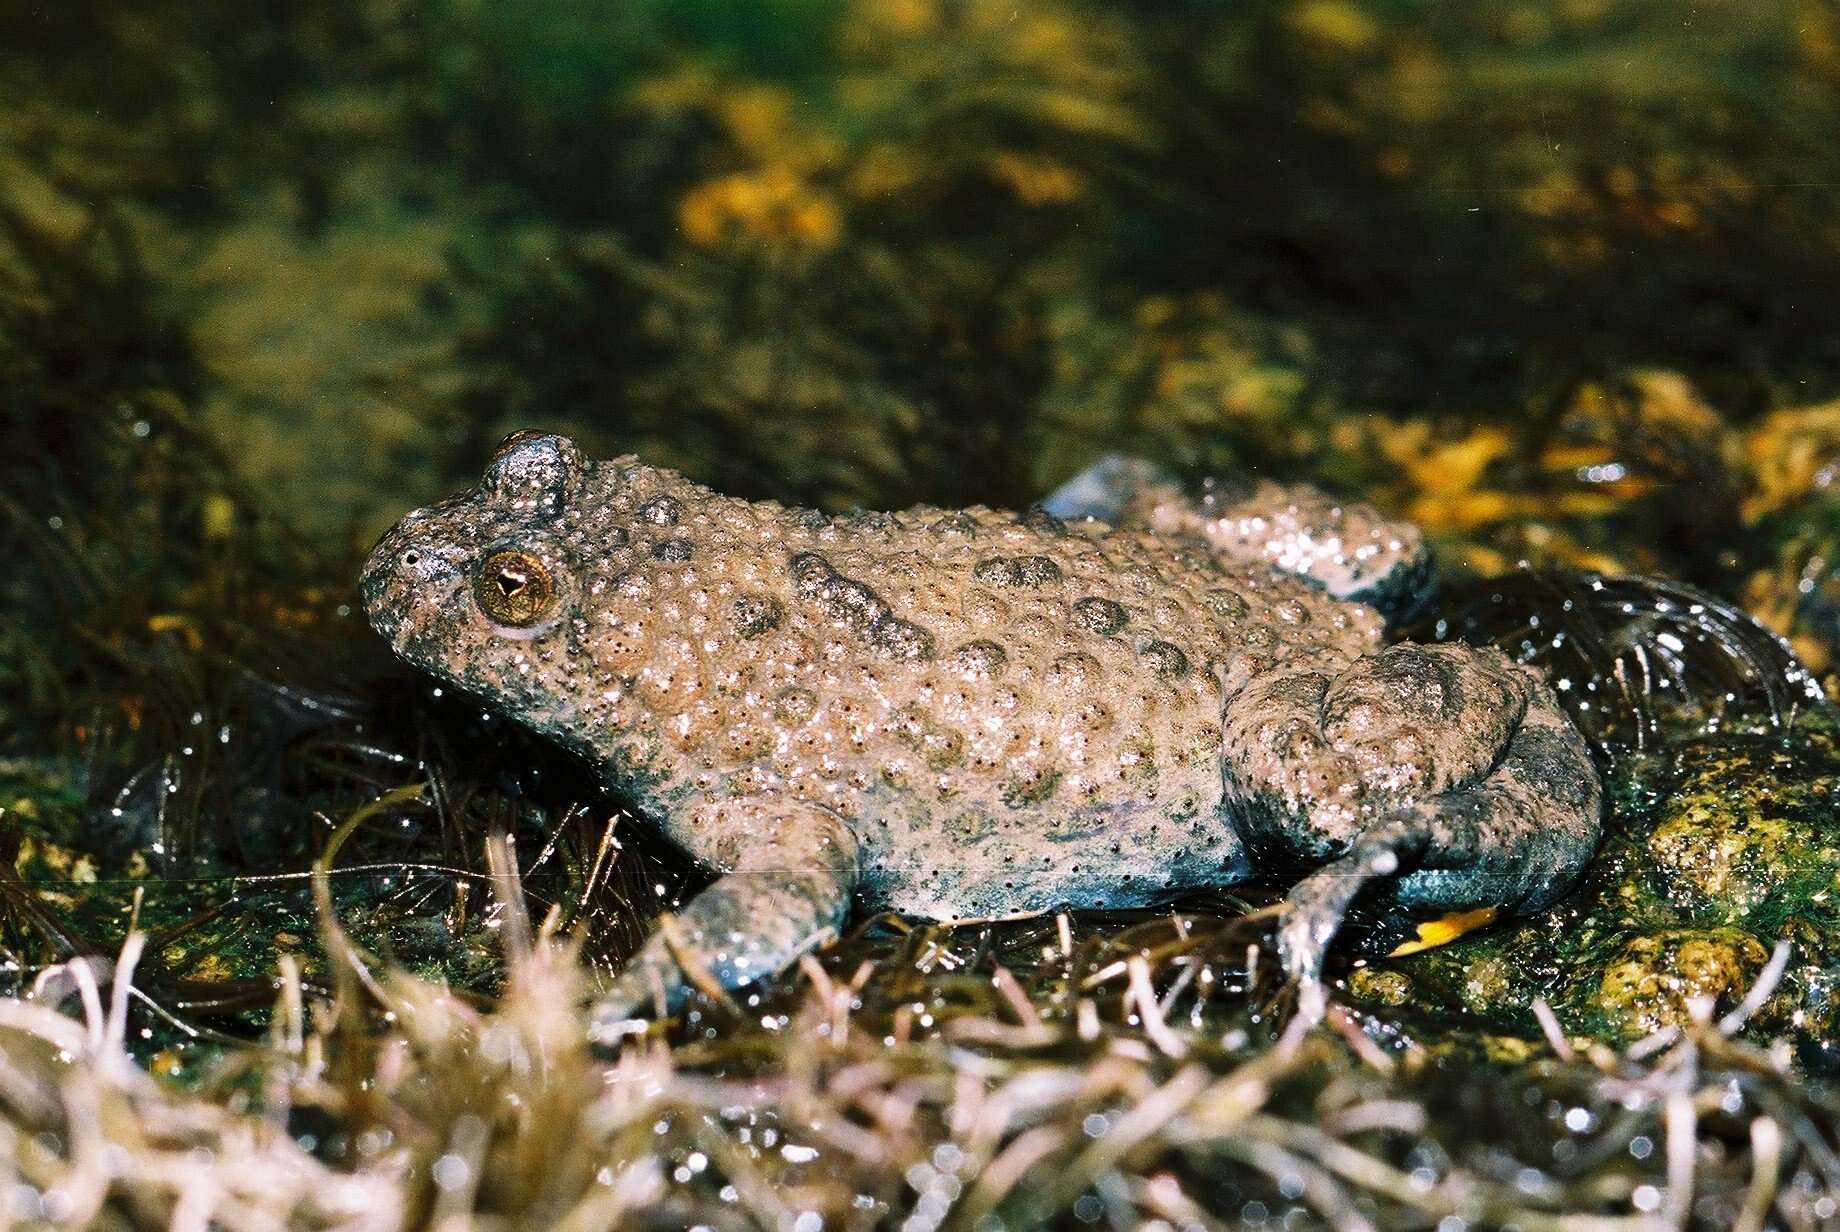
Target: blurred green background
1526,271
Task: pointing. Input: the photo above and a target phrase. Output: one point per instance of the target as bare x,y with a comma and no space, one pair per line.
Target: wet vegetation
287,937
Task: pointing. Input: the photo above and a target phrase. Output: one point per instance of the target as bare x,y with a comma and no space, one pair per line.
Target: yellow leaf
1334,25
1444,930
1461,510
1036,181
184,626
1571,457
1458,465
219,515
1594,504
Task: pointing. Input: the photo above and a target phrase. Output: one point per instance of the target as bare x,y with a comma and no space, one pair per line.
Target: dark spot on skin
1038,570
1102,616
902,639
757,614
996,571
677,550
1041,521
809,571
801,518
981,659
858,606
1257,637
1227,604
955,524
661,511
941,747
1165,658
1030,788
1016,571
795,705
842,598
867,520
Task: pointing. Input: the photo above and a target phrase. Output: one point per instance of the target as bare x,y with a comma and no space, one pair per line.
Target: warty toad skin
971,713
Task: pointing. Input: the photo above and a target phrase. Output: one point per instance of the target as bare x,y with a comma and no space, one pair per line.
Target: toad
1134,690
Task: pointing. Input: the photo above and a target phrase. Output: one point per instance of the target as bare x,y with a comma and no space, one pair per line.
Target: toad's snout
402,573
381,588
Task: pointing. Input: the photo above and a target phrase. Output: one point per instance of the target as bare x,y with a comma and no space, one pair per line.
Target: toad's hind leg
1442,777
1345,547
1513,843
787,878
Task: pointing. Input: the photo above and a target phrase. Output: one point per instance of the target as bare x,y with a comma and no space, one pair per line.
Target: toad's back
1009,712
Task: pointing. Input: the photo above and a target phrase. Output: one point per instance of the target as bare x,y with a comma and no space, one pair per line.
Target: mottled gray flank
973,713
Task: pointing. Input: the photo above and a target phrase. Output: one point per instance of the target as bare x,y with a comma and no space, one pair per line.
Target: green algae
1718,849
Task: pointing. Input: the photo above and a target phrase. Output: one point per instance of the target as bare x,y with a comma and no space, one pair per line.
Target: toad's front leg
1444,773
788,871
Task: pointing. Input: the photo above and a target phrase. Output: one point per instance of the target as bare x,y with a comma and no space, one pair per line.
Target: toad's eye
514,588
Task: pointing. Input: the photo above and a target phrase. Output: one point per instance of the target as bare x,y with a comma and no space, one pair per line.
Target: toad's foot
1441,776
1345,547
1315,910
785,892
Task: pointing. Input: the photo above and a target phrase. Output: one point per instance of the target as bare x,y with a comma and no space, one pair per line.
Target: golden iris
514,588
